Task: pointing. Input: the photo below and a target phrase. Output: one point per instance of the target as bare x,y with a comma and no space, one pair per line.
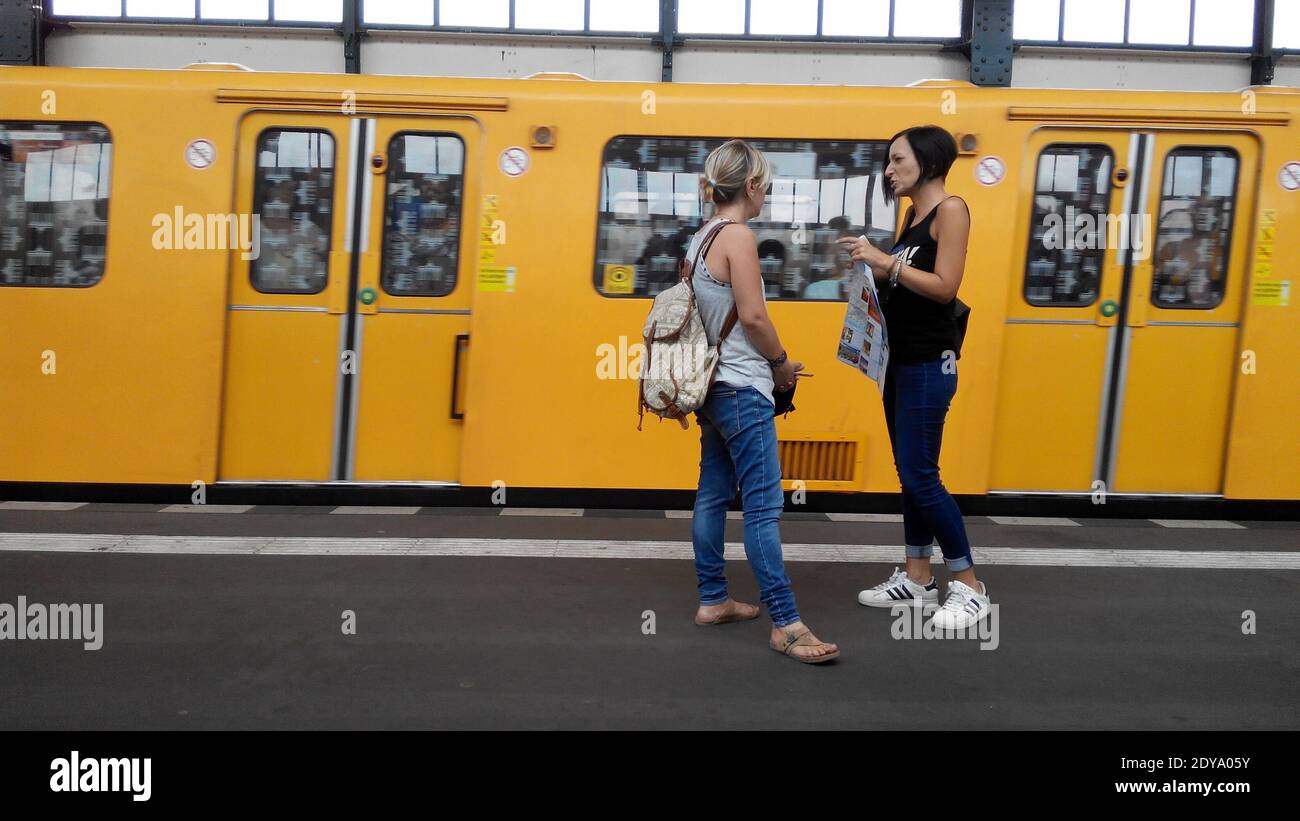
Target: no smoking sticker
514,161
1289,176
990,170
200,154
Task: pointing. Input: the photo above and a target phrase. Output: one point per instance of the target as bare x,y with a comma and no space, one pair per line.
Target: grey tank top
741,364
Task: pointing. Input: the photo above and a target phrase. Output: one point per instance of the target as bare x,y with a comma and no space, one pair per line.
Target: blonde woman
737,431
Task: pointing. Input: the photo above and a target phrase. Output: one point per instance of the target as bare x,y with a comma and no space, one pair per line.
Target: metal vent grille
814,460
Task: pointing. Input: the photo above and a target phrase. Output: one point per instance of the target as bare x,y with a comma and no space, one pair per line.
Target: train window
650,207
1069,230
293,195
422,214
53,203
1194,228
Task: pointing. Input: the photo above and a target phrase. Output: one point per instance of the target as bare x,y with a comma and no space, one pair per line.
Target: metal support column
986,27
1262,58
22,32
352,34
667,38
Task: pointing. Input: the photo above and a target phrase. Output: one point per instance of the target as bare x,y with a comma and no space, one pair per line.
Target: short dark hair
935,151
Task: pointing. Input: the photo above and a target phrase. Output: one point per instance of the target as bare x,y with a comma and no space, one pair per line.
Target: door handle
461,341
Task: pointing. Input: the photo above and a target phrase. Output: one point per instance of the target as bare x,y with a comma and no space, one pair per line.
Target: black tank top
920,329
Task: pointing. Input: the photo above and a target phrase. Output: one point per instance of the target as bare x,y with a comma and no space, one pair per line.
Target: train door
1122,317
1172,377
347,328
413,305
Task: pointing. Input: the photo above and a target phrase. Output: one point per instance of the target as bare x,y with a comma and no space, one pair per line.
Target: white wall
508,56
711,62
1035,67
606,58
135,46
1287,72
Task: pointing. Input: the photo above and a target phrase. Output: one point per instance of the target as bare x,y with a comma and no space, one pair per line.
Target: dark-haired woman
918,283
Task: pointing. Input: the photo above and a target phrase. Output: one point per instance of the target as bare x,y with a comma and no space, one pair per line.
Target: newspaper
864,343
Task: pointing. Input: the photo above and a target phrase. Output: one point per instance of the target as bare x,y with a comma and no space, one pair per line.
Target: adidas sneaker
899,589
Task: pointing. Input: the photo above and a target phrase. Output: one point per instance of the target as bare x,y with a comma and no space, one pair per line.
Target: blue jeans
916,402
738,444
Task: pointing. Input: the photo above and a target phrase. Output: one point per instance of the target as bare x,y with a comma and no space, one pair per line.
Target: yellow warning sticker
501,280
1263,269
1275,292
487,248
619,279
1268,216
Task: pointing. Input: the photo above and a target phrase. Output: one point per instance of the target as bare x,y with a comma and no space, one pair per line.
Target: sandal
738,611
789,642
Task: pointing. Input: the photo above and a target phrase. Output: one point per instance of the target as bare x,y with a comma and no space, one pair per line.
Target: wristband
778,362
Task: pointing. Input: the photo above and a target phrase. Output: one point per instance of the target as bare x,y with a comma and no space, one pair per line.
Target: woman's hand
862,251
783,377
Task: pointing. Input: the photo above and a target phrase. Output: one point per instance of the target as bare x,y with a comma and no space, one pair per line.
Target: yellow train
446,279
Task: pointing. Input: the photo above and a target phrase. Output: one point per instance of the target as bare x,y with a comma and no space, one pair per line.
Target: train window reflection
650,207
1069,228
422,214
54,181
1194,228
293,196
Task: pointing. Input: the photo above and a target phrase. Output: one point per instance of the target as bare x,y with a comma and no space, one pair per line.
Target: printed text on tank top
932,212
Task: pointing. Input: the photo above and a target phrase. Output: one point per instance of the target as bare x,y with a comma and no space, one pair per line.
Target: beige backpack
679,361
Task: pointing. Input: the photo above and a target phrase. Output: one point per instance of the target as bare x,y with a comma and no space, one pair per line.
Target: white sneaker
963,607
899,589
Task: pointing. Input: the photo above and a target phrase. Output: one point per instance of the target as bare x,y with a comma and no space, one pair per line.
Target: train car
228,276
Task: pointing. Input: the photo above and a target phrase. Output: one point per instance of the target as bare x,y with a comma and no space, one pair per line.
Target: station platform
230,617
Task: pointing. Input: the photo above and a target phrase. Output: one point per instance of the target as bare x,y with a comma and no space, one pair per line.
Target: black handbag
783,400
961,319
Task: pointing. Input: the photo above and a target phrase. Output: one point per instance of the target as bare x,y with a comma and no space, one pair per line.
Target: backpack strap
701,253
688,273
728,324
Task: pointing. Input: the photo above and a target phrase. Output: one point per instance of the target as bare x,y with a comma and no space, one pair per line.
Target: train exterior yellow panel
1048,444
1174,422
564,323
141,355
1263,448
135,396
279,423
403,433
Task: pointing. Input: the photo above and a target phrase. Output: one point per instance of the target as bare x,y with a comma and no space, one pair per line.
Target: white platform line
1199,523
542,511
206,509
364,509
1049,521
895,518
41,505
586,549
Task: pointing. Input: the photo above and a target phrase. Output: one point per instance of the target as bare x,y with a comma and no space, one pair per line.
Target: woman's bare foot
724,612
798,642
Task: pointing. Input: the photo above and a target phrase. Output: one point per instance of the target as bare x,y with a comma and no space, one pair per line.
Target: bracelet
778,362
893,275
